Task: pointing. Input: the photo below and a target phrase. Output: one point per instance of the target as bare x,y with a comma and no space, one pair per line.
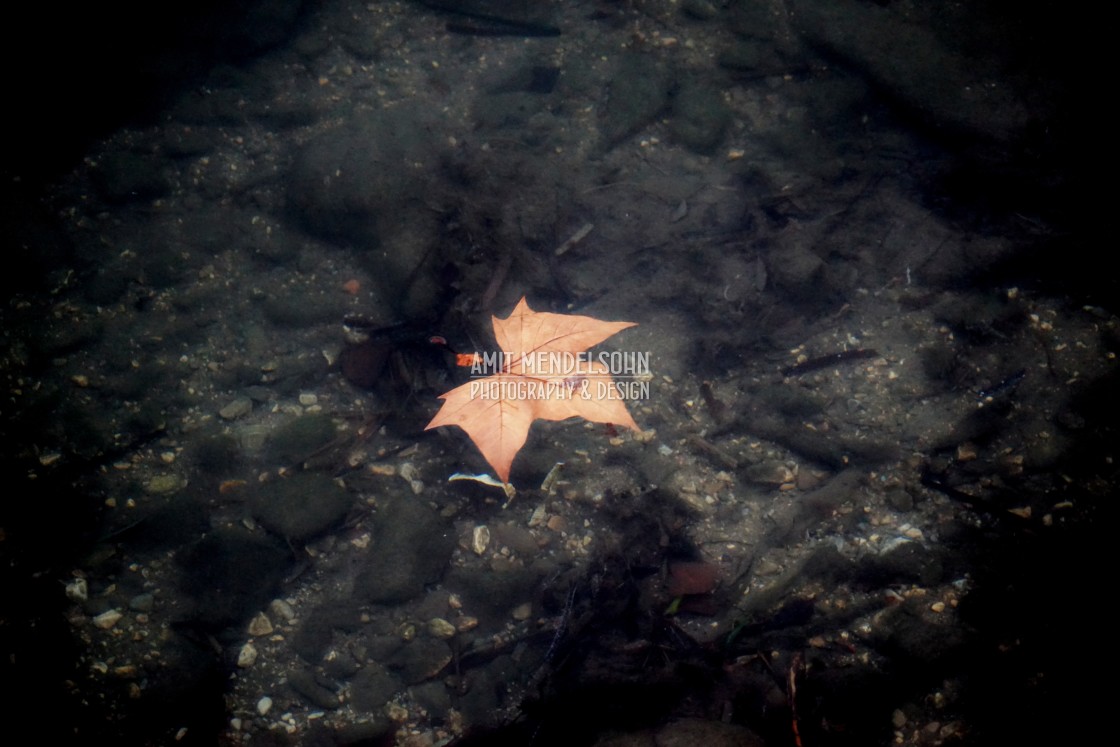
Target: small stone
238,407
440,628
937,606
107,620
557,523
307,399
523,611
260,625
247,656
164,484
142,602
264,705
465,623
898,719
281,610
480,539
77,590
770,472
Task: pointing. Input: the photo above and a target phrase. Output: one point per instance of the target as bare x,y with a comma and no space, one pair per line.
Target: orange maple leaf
536,381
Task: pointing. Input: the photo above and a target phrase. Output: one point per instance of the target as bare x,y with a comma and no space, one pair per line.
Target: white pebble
107,620
247,656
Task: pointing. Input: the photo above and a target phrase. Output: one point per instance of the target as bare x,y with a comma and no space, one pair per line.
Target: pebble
247,656
142,602
480,539
264,705
107,620
539,516
523,611
77,590
260,625
238,407
771,472
281,610
440,628
163,484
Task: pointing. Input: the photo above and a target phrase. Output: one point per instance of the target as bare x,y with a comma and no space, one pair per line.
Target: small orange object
352,286
467,359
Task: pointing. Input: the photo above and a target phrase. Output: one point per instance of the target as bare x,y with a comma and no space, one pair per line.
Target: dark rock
794,269
421,659
316,630
639,92
341,665
411,547
909,562
914,66
700,117
370,184
300,437
352,183
434,696
301,506
127,177
231,574
363,363
216,455
491,595
373,687
305,683
142,602
906,635
900,500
